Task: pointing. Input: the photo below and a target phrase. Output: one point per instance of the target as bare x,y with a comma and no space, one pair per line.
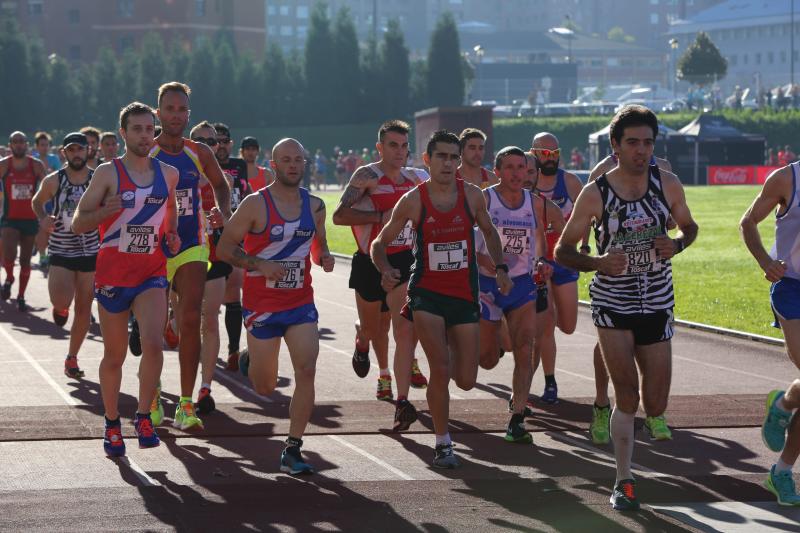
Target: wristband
587,248
679,245
502,266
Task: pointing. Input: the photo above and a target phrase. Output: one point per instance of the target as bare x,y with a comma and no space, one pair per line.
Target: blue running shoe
143,426
550,395
292,462
773,431
244,362
113,443
782,486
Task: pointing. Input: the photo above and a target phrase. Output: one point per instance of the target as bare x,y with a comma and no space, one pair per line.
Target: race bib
444,256
21,191
294,278
137,239
642,257
185,206
515,241
405,237
236,198
66,218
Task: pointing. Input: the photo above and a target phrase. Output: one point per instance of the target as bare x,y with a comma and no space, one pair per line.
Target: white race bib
66,218
185,206
294,278
444,256
515,241
137,239
21,191
405,237
642,257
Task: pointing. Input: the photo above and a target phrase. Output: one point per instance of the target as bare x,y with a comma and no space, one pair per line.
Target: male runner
42,141
283,229
781,428
132,201
93,135
443,289
20,175
258,176
187,270
238,170
561,188
378,186
109,145
631,293
599,428
473,149
72,257
516,217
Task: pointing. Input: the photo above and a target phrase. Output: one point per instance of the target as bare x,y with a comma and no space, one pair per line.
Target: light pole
567,34
791,41
479,51
673,44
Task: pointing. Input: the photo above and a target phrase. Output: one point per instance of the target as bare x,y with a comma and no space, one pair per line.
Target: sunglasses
545,153
211,141
223,140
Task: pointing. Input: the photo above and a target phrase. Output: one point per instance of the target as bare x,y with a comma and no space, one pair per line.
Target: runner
258,176
238,170
443,289
283,229
781,429
186,271
562,188
600,427
132,201
365,204
20,175
631,293
320,169
515,215
93,135
72,257
473,149
109,145
42,141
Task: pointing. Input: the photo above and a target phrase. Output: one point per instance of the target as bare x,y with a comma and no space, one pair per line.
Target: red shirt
19,186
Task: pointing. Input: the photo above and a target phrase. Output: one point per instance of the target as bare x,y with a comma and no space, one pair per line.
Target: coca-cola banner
763,172
731,175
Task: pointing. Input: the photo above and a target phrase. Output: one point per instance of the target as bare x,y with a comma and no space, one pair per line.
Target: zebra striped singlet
646,286
63,242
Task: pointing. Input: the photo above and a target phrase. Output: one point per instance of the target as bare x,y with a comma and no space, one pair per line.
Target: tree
419,85
223,82
249,104
320,66
200,75
275,85
702,63
372,84
106,88
38,77
14,69
178,62
297,94
128,81
152,64
445,76
396,72
345,83
61,96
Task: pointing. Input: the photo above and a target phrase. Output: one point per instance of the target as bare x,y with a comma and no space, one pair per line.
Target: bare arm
405,209
320,254
171,177
214,175
477,202
679,209
776,192
363,181
587,207
99,201
47,190
243,221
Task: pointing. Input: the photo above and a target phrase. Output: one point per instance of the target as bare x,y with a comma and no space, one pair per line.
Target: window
74,16
302,31
200,8
272,30
758,58
34,7
75,52
302,12
612,62
654,2
125,42
125,8
732,60
271,10
285,10
770,57
287,31
653,18
744,58
783,56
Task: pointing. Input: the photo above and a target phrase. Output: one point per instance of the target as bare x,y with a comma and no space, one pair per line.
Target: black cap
249,142
75,137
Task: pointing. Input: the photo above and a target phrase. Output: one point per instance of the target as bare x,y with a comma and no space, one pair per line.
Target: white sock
443,439
384,371
622,435
780,466
206,385
782,406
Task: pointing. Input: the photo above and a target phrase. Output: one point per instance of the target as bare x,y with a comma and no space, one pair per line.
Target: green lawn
716,280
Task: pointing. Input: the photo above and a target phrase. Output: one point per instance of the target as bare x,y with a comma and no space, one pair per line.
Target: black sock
233,325
112,423
549,380
292,442
517,418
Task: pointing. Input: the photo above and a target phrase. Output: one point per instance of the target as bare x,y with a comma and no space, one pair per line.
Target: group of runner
466,262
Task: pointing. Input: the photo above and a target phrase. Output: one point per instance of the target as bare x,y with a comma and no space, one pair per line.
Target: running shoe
205,403
244,362
624,496
5,290
171,339
157,408
135,340
516,432
550,394
384,392
418,379
527,413
657,427
405,414
21,305
185,417
443,456
782,486
600,428
360,356
71,369
60,316
145,431
292,462
113,443
233,361
773,431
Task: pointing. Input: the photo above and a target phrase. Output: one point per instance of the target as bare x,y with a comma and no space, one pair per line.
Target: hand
173,242
613,263
665,247
110,206
46,224
504,283
774,270
327,262
271,270
215,218
544,270
390,279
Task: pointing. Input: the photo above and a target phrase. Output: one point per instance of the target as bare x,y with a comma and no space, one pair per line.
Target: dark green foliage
702,63
445,76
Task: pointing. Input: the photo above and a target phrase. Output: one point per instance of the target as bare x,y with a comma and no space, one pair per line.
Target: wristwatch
586,247
502,266
679,245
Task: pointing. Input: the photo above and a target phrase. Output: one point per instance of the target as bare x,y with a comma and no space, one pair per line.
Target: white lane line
220,376
587,378
580,444
139,472
379,462
735,371
36,366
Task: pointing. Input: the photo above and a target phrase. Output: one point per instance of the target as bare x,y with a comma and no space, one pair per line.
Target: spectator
320,169
366,157
772,158
788,155
42,152
341,168
576,159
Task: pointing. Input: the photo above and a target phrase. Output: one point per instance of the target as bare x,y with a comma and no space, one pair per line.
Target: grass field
716,280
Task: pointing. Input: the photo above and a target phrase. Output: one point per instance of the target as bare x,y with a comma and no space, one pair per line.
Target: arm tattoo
352,194
243,260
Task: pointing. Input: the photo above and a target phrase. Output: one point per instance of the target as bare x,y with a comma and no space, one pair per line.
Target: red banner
763,172
731,175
